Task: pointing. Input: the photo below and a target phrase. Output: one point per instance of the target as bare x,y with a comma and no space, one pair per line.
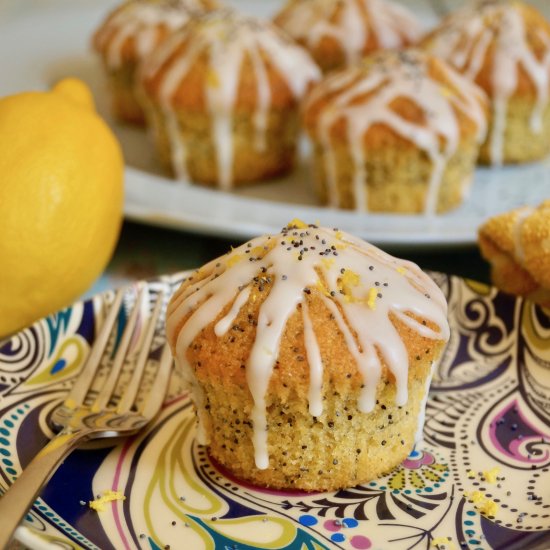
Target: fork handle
21,495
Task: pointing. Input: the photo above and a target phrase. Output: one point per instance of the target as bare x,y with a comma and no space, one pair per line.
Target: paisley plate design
479,480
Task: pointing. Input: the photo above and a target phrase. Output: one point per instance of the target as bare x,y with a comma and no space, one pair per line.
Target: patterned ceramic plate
489,411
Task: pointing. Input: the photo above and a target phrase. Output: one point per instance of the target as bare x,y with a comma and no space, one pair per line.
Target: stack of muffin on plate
393,129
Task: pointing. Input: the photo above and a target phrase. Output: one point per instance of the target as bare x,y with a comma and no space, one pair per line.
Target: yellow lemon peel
491,475
257,251
443,542
297,223
371,298
322,288
99,503
347,282
212,79
234,259
482,503
60,202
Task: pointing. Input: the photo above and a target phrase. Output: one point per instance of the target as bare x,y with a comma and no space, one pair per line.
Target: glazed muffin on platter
308,354
128,34
504,46
399,132
222,97
517,246
340,32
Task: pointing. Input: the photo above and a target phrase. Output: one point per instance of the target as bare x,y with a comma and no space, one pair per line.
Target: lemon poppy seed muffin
517,245
338,33
128,34
504,46
399,132
222,97
308,354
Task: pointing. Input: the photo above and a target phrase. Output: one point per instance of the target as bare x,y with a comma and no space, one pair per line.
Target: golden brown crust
536,26
380,136
122,51
517,245
329,52
190,94
129,52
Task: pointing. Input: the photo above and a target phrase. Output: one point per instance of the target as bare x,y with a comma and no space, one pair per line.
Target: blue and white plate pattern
489,407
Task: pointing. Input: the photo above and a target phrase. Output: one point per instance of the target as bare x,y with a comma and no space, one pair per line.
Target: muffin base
341,448
520,143
250,162
397,178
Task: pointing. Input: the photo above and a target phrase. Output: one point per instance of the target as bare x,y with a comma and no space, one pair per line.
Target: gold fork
86,414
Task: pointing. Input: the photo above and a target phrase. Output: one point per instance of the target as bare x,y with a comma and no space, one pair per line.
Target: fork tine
103,397
158,389
82,385
131,390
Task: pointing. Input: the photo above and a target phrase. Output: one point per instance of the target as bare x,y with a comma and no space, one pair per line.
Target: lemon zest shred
213,79
446,91
322,288
401,270
99,503
482,503
491,475
371,299
443,542
297,223
257,250
234,259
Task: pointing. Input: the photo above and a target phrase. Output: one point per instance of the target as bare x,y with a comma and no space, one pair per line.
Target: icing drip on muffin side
140,20
498,29
228,39
309,21
387,77
359,284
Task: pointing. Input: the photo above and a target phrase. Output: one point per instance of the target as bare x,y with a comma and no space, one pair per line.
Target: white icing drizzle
387,77
469,35
419,435
228,40
309,21
140,20
360,285
315,362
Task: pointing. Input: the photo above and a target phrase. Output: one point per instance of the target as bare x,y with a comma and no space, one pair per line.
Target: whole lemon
61,196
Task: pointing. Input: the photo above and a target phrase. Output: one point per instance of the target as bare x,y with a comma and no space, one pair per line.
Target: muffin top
408,98
504,46
136,27
345,30
302,271
224,62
